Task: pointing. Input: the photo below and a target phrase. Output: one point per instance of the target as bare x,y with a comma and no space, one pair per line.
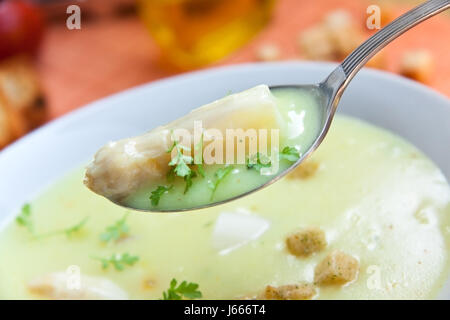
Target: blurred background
57,55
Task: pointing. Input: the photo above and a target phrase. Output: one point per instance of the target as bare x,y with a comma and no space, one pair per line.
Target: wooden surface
110,55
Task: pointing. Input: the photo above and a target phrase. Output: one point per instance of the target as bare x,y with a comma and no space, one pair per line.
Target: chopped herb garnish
199,157
220,175
182,169
170,176
185,289
116,231
198,151
290,154
24,218
70,231
188,180
180,161
157,194
201,170
256,163
118,261
76,228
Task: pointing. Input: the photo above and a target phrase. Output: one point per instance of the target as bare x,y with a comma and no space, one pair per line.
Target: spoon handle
340,78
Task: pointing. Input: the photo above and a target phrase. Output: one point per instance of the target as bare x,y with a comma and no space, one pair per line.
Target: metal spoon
331,89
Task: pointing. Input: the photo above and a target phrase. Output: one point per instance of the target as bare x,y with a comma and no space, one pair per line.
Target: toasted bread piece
338,268
301,291
20,88
344,33
305,170
307,241
315,44
12,124
417,65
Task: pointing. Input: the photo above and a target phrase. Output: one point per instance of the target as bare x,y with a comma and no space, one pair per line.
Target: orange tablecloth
79,66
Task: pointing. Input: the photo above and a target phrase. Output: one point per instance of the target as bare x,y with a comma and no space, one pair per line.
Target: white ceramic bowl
413,111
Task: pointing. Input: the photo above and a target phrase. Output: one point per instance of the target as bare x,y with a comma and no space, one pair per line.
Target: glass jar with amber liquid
193,33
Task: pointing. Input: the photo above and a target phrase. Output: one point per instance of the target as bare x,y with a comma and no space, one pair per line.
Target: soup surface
374,195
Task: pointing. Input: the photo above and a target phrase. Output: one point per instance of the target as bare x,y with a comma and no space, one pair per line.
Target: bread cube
417,65
315,43
306,242
301,291
305,170
20,88
344,33
12,125
338,268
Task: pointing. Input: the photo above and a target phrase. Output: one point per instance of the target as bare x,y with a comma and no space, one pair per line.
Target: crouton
305,170
20,88
315,44
12,125
268,52
301,291
344,33
417,65
56,286
337,268
306,242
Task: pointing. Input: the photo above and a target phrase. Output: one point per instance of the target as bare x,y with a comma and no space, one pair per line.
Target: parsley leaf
116,231
118,261
184,290
199,157
76,228
180,161
157,194
188,180
256,163
220,175
170,176
201,170
24,218
70,231
290,154
198,151
182,169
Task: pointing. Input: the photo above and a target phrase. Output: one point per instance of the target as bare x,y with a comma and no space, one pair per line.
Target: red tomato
21,27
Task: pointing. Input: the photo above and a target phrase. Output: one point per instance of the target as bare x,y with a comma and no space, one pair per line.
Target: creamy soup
374,196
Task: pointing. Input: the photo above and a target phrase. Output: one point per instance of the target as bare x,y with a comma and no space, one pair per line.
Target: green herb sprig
180,161
257,163
24,218
290,154
118,261
185,289
156,194
220,175
118,230
69,232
